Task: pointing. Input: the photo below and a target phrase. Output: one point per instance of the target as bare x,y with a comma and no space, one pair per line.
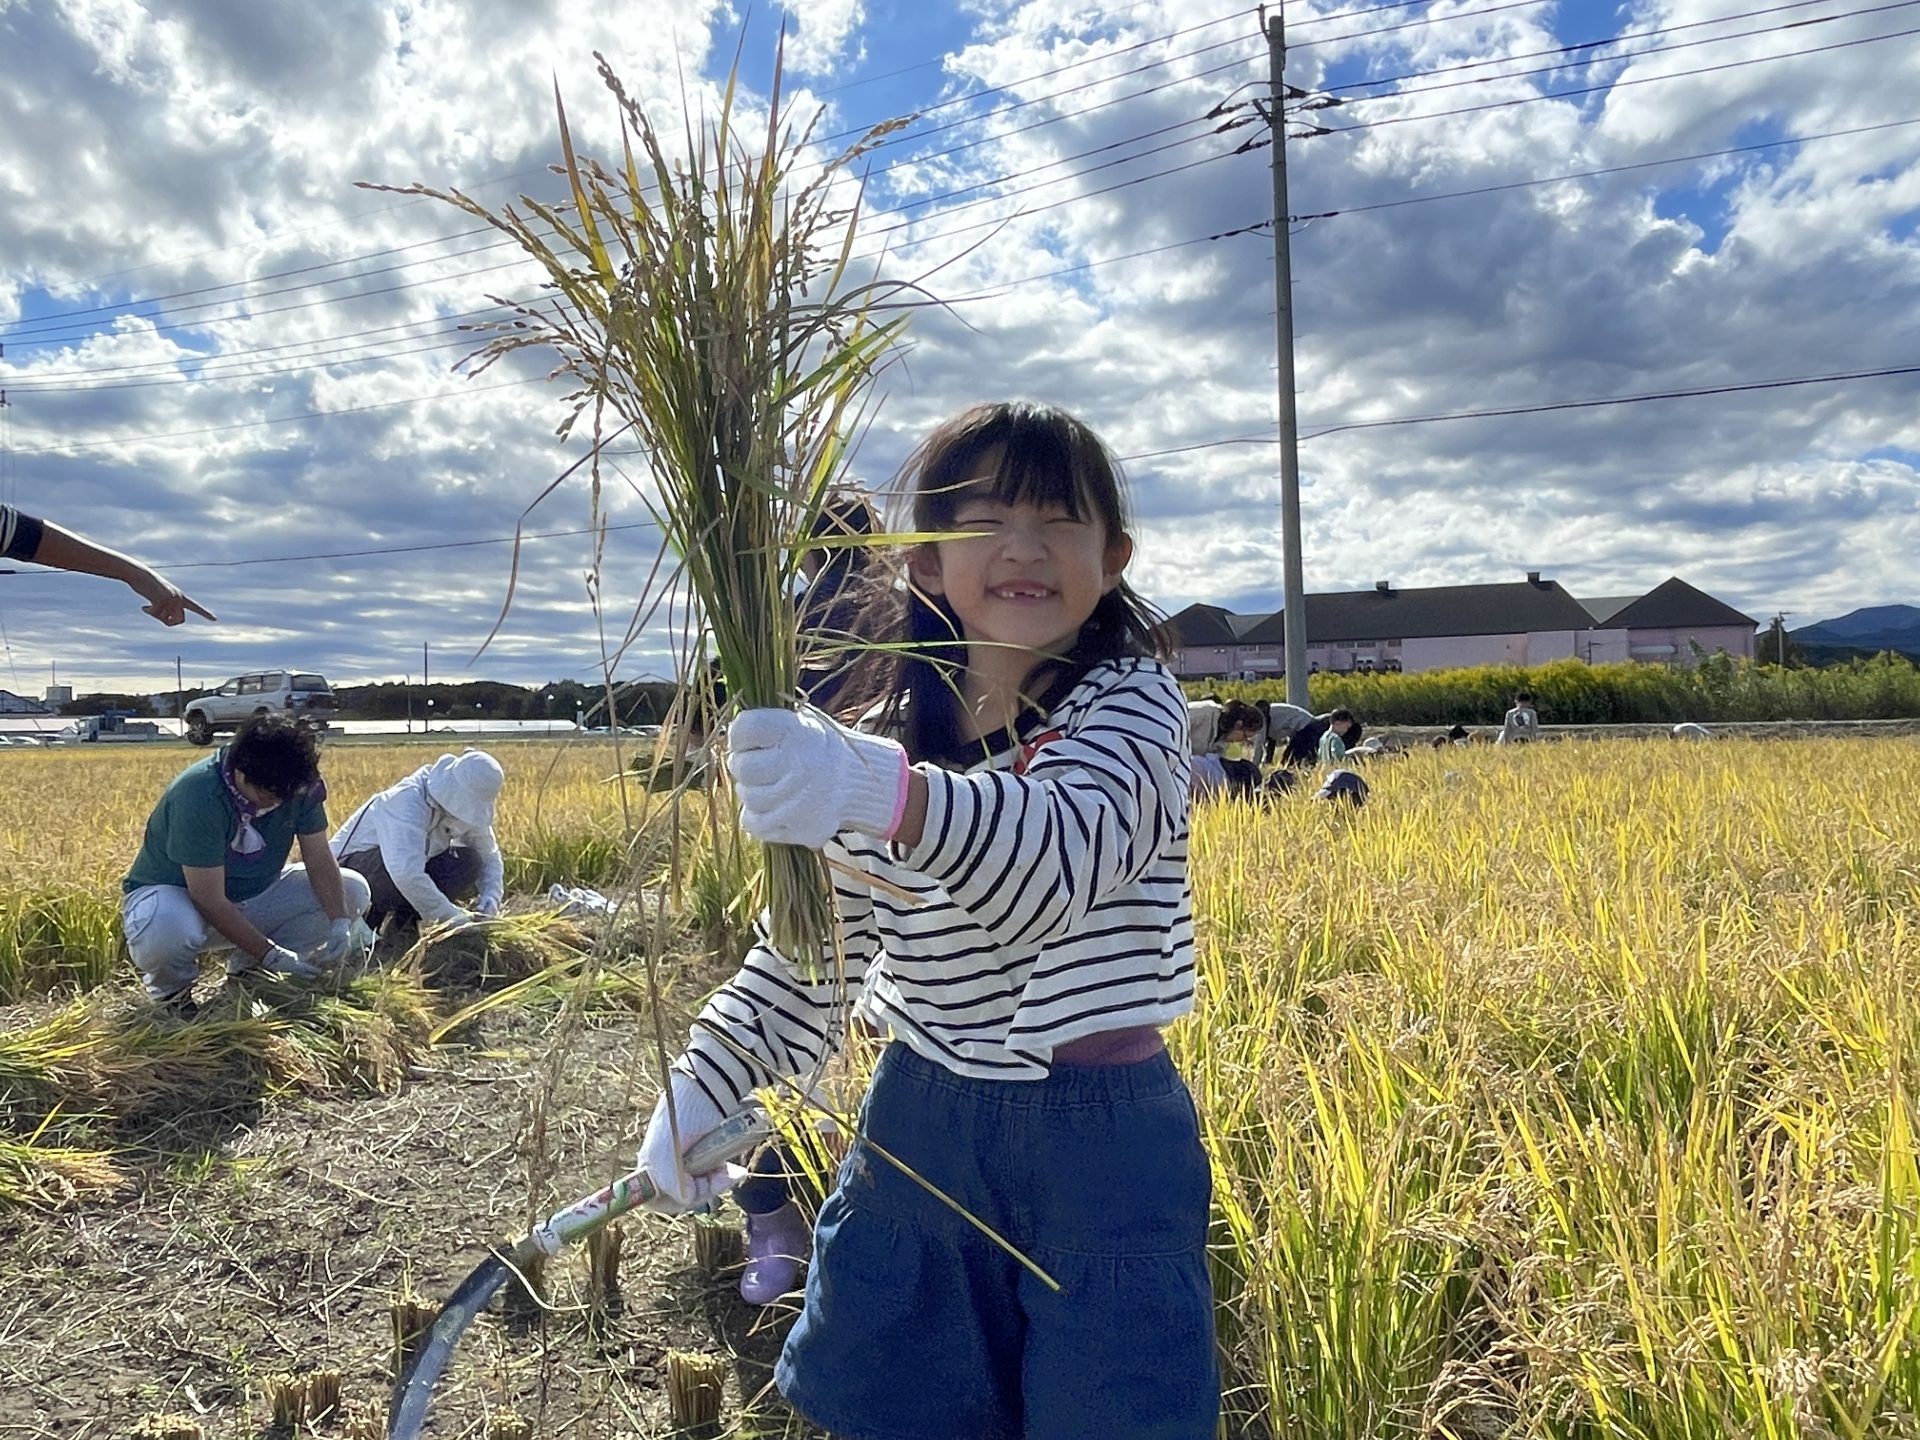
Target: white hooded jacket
409,827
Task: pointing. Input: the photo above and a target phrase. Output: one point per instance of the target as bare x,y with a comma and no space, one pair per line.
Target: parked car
301,694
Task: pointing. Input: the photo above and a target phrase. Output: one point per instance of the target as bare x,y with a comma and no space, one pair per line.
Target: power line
509,243
213,370
1414,24
1612,85
56,320
273,420
1347,101
86,332
470,339
1594,173
1553,50
1698,392
1543,409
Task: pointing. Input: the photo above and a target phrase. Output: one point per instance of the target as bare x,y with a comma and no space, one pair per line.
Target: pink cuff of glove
900,797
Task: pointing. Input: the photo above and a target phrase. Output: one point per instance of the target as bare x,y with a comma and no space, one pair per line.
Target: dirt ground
280,1250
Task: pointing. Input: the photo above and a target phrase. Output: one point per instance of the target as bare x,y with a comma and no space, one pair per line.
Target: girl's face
1030,577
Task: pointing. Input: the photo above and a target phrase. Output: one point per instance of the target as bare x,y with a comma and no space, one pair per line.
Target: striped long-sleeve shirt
1054,903
19,534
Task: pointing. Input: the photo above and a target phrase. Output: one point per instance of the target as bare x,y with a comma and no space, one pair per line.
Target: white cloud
824,36
189,146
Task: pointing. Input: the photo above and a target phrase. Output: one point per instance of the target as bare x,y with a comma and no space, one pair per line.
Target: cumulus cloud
167,150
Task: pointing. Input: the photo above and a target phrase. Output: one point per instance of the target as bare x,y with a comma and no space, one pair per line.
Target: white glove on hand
339,942
281,961
699,1117
487,906
803,777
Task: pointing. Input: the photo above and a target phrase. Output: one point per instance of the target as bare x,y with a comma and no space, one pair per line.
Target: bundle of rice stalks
509,1425
497,953
695,1390
603,1275
708,308
412,1319
38,1175
50,1065
167,1427
717,1246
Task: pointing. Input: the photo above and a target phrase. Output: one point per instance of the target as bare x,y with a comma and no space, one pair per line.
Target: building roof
1212,625
1605,608
1440,610
1674,604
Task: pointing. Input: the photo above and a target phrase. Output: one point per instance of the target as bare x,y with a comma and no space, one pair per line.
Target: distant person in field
1687,730
41,542
1214,727
1306,745
426,843
1342,732
1282,723
212,871
1522,724
1343,785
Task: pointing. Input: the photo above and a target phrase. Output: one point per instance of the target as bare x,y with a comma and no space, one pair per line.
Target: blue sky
301,403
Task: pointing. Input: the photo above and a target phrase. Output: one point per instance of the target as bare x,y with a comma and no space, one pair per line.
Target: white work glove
487,906
802,778
281,961
698,1117
339,942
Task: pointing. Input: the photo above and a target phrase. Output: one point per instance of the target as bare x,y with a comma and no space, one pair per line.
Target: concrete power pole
1293,570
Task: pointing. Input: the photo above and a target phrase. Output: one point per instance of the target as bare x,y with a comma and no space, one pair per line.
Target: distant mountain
1867,631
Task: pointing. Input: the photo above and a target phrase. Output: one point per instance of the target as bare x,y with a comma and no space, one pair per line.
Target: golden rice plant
1568,1092
71,822
700,298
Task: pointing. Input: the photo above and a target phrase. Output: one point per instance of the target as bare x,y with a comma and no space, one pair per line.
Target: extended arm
64,550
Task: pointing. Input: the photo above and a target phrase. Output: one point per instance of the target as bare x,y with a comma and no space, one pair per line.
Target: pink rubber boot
778,1244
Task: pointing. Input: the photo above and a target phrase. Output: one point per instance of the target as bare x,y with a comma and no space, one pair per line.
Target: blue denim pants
919,1326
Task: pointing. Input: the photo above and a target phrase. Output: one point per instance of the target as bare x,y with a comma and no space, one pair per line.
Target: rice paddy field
1567,1091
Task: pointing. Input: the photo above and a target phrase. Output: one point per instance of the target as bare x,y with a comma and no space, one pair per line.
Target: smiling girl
1018,793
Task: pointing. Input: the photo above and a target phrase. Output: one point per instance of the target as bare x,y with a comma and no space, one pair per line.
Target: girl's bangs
1032,465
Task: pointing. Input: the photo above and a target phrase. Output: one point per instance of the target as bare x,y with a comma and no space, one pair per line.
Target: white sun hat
466,787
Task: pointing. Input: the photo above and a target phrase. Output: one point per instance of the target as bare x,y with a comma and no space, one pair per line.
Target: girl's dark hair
1239,714
276,753
845,511
1012,452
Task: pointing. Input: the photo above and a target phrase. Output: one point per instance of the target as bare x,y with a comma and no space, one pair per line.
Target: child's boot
778,1244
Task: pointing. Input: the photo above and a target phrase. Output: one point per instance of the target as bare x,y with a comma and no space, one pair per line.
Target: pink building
1443,627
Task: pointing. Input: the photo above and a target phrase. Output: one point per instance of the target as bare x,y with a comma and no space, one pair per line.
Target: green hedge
1572,692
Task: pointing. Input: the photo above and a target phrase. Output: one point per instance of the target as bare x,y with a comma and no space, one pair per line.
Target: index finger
198,608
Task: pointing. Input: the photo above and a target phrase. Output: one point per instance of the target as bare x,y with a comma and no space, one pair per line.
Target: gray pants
166,933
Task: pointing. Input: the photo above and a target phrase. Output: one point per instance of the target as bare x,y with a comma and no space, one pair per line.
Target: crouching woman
426,843
212,871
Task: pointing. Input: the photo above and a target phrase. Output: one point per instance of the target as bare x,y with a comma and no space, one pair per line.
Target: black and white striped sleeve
1029,856
787,1021
19,534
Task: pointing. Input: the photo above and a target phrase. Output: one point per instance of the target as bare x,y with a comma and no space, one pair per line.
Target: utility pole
426,666
1293,571
179,696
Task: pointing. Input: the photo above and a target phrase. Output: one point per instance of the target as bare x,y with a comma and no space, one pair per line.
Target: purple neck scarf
246,839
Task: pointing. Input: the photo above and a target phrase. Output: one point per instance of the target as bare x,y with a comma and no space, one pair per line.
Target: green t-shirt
195,821
1333,749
